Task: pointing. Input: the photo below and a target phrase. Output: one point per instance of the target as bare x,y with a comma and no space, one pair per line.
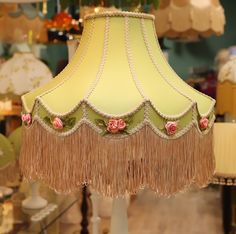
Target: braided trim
121,14
103,60
211,109
130,60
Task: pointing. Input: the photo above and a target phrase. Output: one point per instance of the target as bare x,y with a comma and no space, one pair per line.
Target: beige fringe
116,166
9,174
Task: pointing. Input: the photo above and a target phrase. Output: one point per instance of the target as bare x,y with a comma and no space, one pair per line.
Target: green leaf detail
70,122
100,122
47,120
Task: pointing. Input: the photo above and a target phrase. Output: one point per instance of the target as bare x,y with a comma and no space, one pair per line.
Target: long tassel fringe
114,167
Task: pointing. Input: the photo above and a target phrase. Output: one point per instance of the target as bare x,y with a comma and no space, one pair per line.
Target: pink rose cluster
171,127
57,123
26,118
116,125
203,123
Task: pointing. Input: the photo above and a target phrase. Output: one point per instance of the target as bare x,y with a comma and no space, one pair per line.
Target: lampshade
8,166
189,19
20,74
226,88
118,117
225,149
23,23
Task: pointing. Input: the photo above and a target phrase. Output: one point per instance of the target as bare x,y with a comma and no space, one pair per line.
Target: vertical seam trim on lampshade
69,75
129,57
161,73
156,65
213,101
103,60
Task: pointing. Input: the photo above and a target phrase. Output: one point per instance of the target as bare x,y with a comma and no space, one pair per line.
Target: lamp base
119,219
34,201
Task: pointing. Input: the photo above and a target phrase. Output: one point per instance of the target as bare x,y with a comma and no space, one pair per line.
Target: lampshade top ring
121,14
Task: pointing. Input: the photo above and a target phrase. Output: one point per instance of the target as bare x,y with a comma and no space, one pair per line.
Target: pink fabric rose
121,124
171,127
57,123
26,118
113,126
203,123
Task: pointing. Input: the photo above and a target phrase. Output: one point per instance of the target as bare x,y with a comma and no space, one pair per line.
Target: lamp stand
84,211
119,218
95,218
34,201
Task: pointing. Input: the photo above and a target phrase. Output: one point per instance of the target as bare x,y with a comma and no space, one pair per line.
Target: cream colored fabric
189,18
22,73
225,149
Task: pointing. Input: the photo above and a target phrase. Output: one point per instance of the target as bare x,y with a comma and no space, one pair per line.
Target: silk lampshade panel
20,74
118,117
225,149
226,89
19,23
189,19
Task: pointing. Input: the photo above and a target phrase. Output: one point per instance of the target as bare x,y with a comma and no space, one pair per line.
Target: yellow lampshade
189,19
226,89
225,151
118,117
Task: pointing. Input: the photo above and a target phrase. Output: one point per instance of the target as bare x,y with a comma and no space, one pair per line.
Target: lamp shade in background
226,89
225,150
9,171
189,19
118,117
20,74
21,23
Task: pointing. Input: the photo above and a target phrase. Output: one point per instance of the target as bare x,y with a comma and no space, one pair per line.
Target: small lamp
118,118
190,19
20,74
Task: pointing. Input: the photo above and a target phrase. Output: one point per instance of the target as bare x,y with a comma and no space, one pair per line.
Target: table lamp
20,74
189,19
225,149
118,118
225,173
